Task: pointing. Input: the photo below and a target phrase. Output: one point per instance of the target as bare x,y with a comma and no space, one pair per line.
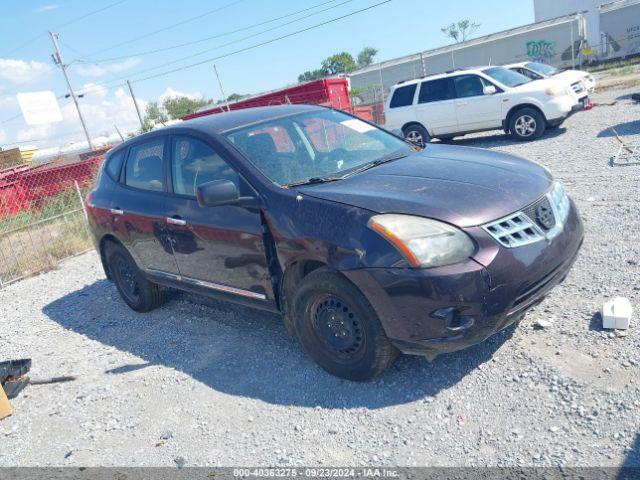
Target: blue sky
396,28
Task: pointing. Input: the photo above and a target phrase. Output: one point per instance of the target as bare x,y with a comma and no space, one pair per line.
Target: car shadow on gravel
622,129
244,352
500,139
632,460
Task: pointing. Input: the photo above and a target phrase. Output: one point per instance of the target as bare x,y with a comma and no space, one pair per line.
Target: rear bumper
428,312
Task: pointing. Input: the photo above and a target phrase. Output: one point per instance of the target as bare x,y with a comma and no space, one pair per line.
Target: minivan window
144,166
506,77
114,165
468,86
403,96
193,163
435,91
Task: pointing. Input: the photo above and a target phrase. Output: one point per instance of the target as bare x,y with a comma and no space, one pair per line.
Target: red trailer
330,92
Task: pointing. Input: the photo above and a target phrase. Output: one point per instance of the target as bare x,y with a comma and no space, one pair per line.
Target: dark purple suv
366,245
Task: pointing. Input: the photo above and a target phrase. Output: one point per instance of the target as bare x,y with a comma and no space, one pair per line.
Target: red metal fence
41,215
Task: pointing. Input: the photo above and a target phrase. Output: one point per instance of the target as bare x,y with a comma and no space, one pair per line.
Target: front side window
506,77
528,73
468,86
326,143
144,166
436,91
403,96
194,163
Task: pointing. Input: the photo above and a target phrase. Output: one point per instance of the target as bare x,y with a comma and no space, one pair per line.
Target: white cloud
47,8
171,93
3,135
34,133
94,70
22,71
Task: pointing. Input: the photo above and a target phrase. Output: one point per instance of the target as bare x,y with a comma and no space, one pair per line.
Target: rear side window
436,91
114,164
144,166
403,96
194,163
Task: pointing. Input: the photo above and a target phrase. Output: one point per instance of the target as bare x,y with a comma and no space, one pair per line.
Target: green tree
366,56
342,62
308,76
178,107
460,31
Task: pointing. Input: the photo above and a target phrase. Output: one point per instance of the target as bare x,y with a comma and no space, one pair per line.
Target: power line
178,60
66,24
205,39
164,29
251,47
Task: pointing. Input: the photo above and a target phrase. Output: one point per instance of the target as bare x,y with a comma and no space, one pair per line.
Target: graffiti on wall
541,49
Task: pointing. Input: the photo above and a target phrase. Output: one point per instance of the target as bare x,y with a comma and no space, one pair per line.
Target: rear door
436,106
137,207
221,247
402,108
475,110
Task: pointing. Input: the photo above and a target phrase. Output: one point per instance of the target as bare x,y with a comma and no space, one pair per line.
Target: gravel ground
204,383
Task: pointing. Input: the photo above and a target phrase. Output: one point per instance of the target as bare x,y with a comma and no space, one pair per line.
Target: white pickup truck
478,99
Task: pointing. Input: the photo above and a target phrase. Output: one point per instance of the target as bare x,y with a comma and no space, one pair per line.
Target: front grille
532,212
543,219
516,230
577,87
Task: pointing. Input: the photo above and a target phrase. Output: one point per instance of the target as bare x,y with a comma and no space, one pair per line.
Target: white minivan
478,99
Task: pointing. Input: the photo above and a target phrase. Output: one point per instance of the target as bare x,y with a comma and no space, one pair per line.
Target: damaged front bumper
444,309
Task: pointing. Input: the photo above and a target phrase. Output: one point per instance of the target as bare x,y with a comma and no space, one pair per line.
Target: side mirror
489,90
216,193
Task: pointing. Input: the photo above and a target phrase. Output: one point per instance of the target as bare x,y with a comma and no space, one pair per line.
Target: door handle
176,221
116,211
462,104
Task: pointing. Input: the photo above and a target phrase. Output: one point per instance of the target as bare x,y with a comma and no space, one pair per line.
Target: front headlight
555,91
422,241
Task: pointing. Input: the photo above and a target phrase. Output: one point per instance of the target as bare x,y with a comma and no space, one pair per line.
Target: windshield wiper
313,180
375,163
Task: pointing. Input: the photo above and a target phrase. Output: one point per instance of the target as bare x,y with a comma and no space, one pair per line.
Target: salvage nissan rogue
367,246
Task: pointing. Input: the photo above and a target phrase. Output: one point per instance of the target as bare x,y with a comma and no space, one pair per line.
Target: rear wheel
339,329
527,124
138,292
417,134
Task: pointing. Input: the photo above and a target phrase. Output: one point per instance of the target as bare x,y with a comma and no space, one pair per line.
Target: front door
475,110
138,206
219,247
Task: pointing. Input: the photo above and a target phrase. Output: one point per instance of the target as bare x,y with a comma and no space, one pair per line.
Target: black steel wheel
137,292
338,328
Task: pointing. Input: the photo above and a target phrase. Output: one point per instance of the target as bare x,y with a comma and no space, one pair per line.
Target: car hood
459,185
571,76
539,85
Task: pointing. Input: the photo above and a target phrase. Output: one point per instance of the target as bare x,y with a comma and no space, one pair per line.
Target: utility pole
224,97
57,59
135,102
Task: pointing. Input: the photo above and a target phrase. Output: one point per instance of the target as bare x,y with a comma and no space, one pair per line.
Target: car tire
527,124
137,292
339,329
417,134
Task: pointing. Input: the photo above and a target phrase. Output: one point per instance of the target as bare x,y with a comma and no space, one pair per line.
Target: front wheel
527,124
417,135
339,329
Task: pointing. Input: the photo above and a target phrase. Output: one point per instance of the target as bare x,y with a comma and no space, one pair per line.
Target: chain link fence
42,217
